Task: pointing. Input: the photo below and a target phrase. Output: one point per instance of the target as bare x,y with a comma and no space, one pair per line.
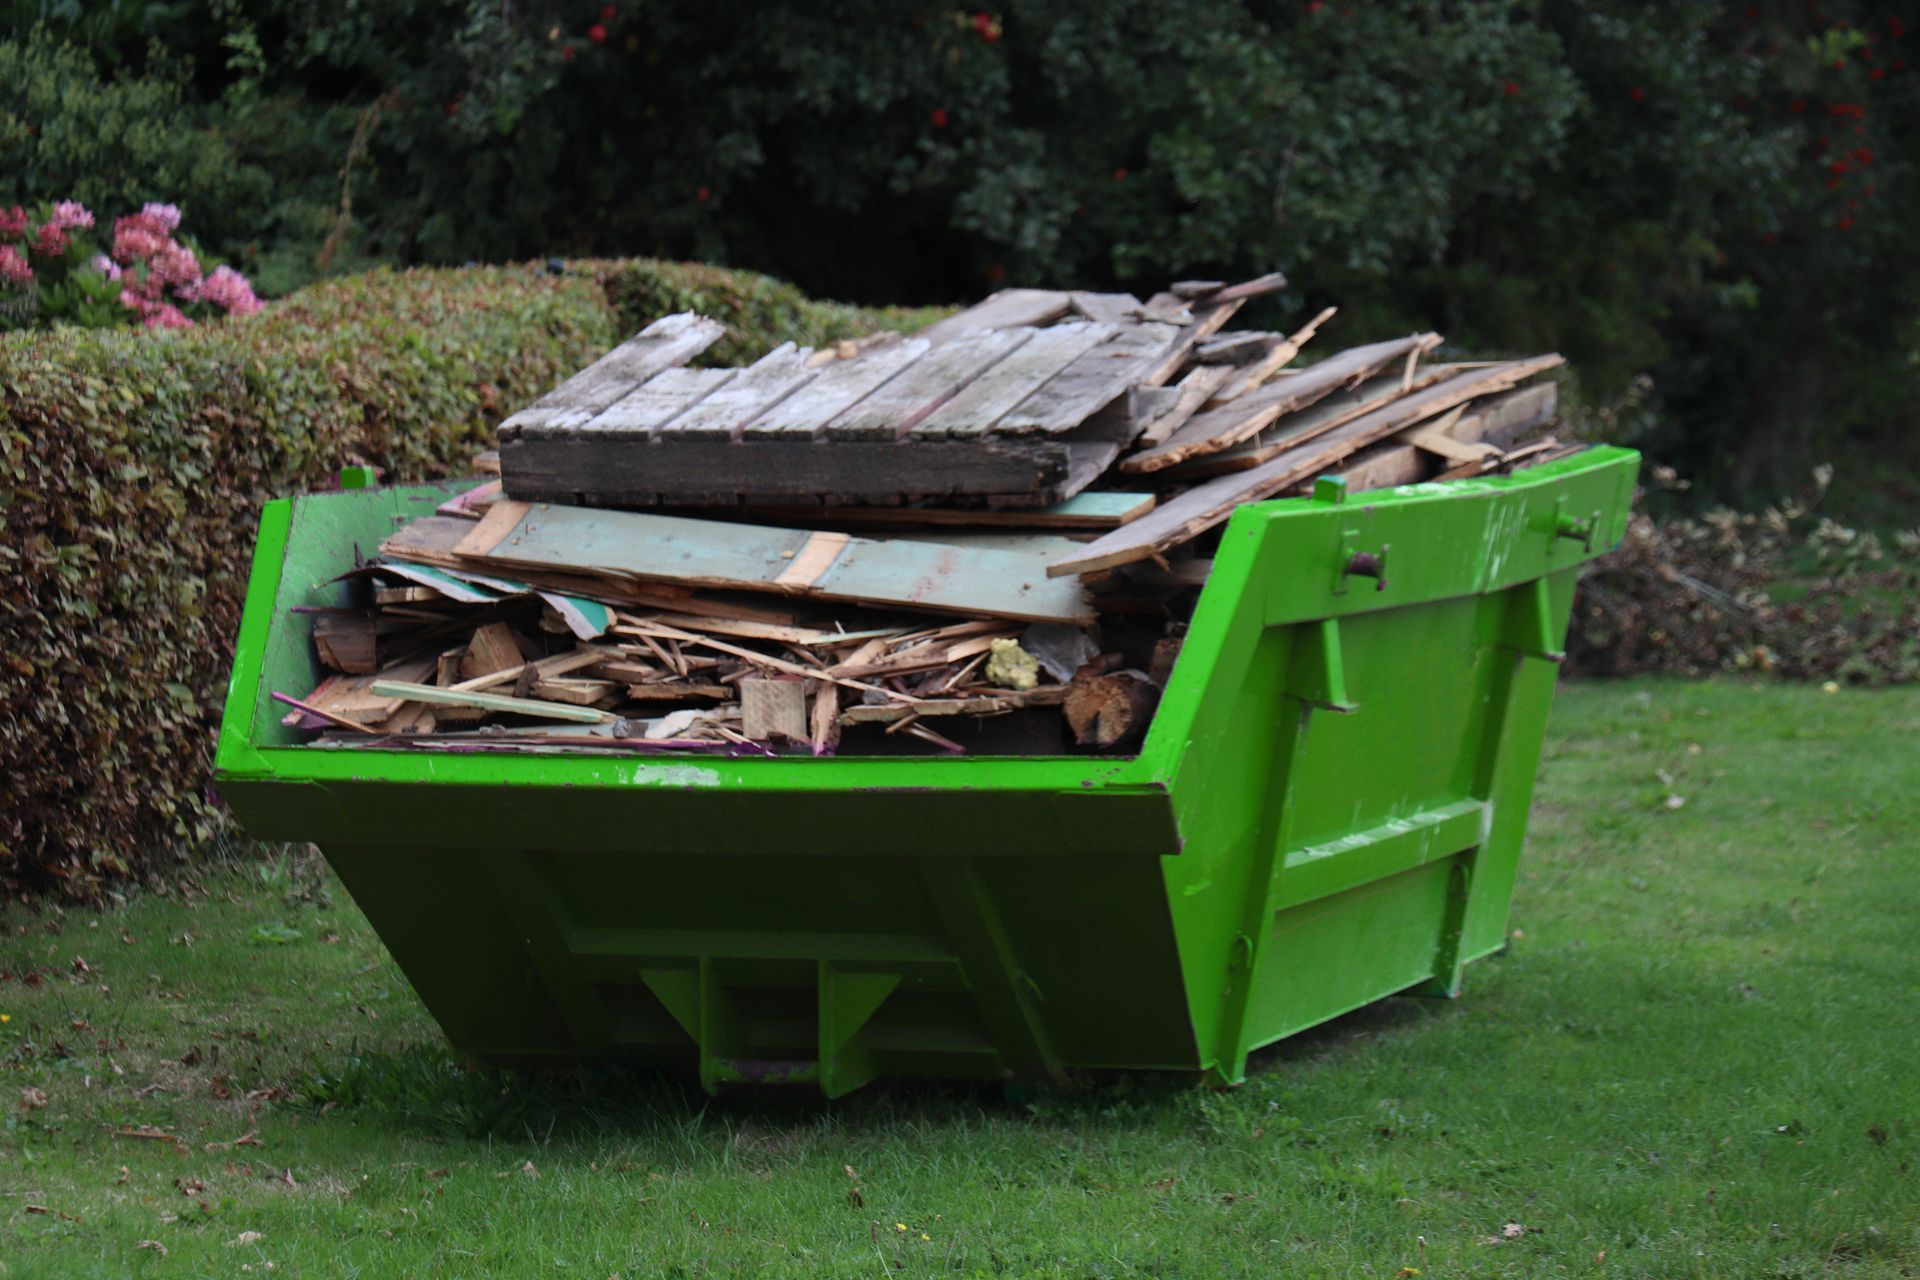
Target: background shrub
1709,196
133,466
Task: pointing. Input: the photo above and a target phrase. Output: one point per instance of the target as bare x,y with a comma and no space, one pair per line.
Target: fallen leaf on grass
40,1208
286,1176
1511,1231
155,1245
144,1131
248,1139
528,1169
121,1181
248,1237
32,1099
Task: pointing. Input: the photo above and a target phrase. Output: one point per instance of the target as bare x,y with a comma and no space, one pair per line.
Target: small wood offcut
983,537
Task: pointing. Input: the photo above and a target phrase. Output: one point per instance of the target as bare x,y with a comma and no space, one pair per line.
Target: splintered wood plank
591,469
1101,510
664,344
651,405
902,403
1106,308
1249,376
1092,382
1206,505
755,389
976,407
1324,415
838,387
491,702
1184,399
1007,309
1241,419
1495,422
773,708
1272,282
1206,322
829,566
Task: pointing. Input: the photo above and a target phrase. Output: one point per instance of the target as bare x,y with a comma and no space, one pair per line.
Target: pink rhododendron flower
50,241
136,237
176,265
70,215
12,266
228,289
166,215
168,316
13,221
106,266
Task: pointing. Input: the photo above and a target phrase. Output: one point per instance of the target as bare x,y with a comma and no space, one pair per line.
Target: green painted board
827,566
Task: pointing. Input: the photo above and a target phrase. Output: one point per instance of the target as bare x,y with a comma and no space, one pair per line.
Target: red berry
1877,73
1845,223
939,117
1511,89
1638,94
609,13
1316,6
566,54
981,21
1839,64
701,194
1797,105
597,33
1120,174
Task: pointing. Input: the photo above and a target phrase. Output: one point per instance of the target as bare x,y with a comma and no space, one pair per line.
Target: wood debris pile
899,544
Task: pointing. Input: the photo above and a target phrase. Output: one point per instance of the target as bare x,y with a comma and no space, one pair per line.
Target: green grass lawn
1699,1057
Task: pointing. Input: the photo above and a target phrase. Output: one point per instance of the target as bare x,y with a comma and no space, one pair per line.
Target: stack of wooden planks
986,536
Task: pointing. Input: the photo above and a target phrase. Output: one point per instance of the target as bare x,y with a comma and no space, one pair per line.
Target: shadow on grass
428,1089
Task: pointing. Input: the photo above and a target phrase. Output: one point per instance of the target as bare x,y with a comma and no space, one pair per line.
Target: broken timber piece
828,566
664,344
1093,509
1106,308
1192,289
1204,506
1176,404
347,642
490,651
1252,375
1322,416
1110,711
1241,419
1236,349
1497,421
492,702
1007,309
774,708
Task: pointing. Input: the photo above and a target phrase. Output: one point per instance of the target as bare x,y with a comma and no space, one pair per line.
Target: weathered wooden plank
667,342
1007,309
1090,510
749,393
1204,506
903,402
771,707
1497,421
653,404
1323,415
976,407
1184,399
1195,288
1241,419
1106,308
1091,382
828,566
1272,282
1206,322
1253,374
593,470
838,387
491,702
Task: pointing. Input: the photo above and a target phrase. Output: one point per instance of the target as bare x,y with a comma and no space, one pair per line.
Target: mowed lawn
1699,1057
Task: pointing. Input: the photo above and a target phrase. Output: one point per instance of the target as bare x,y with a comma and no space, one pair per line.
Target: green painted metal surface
1327,810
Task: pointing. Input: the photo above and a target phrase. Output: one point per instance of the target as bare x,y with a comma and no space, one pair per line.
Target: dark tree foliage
1710,196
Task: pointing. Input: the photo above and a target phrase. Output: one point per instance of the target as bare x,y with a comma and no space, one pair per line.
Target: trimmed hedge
133,465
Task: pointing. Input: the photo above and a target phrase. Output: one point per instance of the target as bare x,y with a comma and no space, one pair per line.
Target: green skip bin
1327,809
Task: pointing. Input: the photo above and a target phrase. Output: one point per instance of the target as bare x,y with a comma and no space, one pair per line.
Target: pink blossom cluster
145,240
156,272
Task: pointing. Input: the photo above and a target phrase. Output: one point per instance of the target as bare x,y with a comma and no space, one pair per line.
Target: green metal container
1327,810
